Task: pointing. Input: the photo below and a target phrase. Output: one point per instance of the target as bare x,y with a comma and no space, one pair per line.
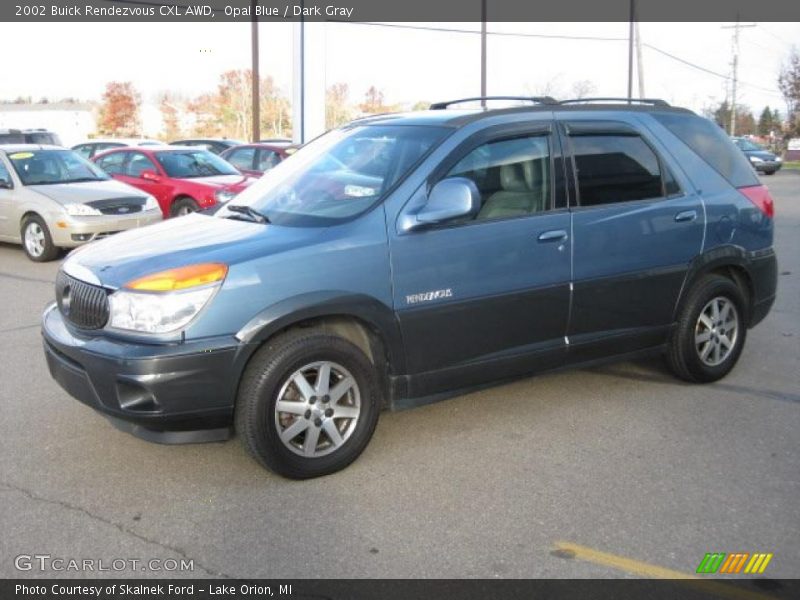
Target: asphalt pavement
617,461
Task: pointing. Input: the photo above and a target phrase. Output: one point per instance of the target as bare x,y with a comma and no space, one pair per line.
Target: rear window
712,144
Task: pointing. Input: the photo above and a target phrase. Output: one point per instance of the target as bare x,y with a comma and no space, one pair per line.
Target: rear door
488,297
635,230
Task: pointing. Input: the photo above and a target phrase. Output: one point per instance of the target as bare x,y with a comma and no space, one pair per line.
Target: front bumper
167,393
767,166
69,232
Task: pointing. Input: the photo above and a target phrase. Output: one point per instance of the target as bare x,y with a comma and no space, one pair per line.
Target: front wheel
36,240
711,331
184,206
308,404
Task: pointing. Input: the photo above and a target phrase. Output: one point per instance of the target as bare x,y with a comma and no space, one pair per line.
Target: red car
183,180
255,159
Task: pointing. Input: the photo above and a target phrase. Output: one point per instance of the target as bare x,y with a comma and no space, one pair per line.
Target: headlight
755,159
151,203
82,210
223,196
778,159
165,301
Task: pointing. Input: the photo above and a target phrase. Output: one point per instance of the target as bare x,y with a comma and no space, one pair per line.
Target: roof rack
534,99
651,101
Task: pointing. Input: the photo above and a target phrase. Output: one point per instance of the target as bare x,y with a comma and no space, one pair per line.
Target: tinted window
138,163
44,138
112,164
712,145
242,158
85,150
12,138
512,176
615,168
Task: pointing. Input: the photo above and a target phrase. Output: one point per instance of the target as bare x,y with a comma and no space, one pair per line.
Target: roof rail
534,99
652,101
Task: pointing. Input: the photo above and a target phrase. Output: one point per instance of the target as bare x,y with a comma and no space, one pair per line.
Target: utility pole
735,65
639,64
256,83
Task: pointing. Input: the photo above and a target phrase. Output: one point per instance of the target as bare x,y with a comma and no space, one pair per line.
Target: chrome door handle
555,235
686,216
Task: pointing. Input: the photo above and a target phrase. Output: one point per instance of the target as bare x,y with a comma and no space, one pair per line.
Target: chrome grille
82,304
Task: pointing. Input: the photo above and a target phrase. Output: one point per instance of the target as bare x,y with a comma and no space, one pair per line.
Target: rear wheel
36,240
183,206
711,331
769,172
308,404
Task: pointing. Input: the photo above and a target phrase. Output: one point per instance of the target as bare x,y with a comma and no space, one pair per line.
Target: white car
90,148
51,198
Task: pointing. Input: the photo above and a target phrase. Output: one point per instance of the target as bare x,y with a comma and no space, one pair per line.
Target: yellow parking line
643,569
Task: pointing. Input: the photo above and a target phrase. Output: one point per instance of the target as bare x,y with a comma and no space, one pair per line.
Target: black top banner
398,10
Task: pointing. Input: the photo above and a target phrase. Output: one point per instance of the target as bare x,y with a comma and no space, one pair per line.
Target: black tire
183,206
769,172
38,227
268,373
683,350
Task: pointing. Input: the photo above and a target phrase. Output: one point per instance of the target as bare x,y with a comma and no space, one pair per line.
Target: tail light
759,195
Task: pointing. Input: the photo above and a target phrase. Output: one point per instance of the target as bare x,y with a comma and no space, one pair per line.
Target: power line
776,36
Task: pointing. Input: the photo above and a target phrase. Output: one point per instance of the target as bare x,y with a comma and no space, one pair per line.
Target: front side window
267,159
615,168
512,176
113,164
340,174
4,174
84,150
137,164
242,158
187,164
44,167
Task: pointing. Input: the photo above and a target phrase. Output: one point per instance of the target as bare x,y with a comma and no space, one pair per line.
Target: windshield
47,167
748,145
194,163
338,175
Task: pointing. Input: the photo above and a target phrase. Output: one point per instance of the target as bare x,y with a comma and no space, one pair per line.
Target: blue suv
404,258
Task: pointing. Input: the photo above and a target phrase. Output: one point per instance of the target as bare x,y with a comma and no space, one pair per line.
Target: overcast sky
76,60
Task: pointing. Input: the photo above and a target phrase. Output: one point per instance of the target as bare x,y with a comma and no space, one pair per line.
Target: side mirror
149,175
449,199
5,184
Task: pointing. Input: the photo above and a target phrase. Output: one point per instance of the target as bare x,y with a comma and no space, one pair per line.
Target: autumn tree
119,110
421,105
337,108
789,84
745,121
374,102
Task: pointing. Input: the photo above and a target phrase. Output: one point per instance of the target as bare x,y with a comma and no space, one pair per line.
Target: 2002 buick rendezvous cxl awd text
402,258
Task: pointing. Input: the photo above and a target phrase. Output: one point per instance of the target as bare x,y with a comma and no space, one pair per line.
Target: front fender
375,314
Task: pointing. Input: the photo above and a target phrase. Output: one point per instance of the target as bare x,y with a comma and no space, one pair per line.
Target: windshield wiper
250,212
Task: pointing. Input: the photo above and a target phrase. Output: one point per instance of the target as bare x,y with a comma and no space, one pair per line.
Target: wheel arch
728,261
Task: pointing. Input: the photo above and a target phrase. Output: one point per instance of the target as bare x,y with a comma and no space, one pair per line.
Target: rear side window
615,168
711,143
242,158
112,164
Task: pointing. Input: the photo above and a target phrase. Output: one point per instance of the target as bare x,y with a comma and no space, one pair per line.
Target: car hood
222,180
762,154
87,191
181,241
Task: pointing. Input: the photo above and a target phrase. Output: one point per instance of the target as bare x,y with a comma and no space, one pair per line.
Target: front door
487,297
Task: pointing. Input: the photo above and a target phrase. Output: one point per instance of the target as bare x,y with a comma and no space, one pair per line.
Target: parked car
29,136
255,159
463,248
183,180
90,148
51,198
215,145
762,159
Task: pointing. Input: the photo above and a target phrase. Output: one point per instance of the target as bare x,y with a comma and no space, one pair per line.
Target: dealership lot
620,459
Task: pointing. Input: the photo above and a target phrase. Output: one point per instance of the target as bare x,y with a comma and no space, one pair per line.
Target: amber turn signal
180,278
